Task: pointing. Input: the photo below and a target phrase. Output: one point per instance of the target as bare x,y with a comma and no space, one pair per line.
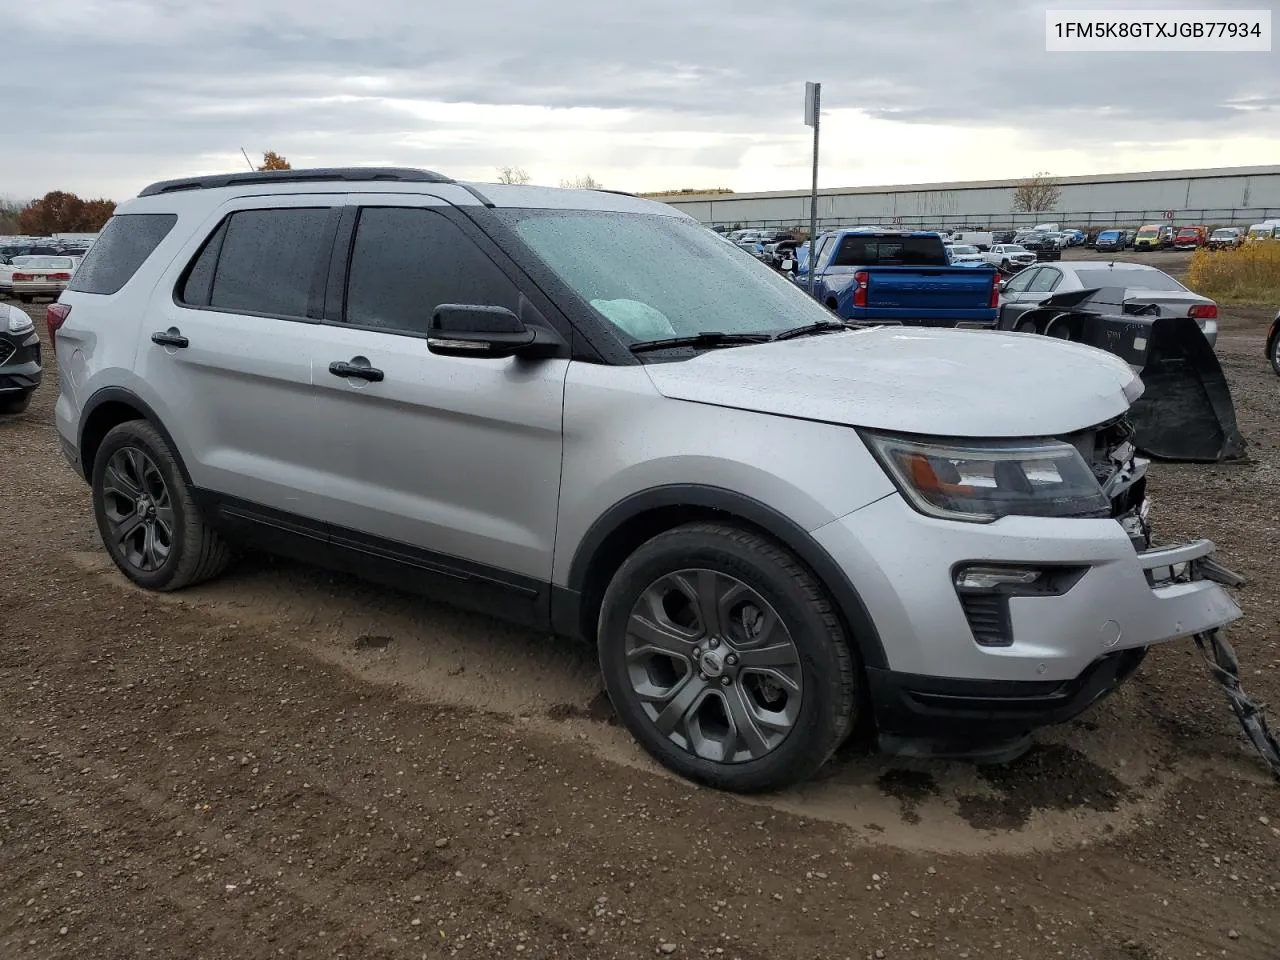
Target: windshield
1109,235
1225,234
1015,248
1130,279
1148,231
654,277
964,250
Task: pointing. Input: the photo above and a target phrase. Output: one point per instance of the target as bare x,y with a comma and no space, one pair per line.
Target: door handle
361,371
170,338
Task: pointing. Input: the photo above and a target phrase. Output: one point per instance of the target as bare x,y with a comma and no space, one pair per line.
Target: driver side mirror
469,330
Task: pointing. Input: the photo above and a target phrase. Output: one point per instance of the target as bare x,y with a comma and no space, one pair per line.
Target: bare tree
1036,194
584,182
512,175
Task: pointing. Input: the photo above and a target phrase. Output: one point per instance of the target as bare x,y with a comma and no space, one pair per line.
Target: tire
810,708
134,462
1274,354
1004,266
10,405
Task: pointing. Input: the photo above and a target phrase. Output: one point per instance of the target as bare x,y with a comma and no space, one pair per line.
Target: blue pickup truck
898,277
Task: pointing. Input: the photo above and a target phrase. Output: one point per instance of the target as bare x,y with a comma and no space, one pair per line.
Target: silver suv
585,412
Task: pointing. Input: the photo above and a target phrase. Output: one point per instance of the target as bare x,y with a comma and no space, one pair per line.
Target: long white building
1227,195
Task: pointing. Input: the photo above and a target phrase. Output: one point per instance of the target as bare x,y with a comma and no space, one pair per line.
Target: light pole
812,112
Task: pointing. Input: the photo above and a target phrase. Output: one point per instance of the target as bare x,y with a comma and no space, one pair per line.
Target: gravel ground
289,763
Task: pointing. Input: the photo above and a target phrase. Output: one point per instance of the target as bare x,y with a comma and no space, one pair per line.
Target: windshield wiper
707,339
826,326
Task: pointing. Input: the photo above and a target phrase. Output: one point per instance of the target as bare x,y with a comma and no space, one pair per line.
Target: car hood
955,383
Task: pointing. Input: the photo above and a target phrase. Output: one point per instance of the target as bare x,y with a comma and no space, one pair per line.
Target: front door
449,464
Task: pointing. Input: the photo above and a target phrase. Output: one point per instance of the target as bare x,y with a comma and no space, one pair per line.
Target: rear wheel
1275,354
724,658
149,523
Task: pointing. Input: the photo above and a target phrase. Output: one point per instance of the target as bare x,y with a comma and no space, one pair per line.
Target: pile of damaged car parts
1185,412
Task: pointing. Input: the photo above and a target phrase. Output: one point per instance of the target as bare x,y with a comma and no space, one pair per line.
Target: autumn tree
512,175
10,211
1036,194
584,182
61,212
273,161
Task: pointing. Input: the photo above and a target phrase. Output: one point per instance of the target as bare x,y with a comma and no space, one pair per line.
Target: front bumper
20,363
941,688
903,565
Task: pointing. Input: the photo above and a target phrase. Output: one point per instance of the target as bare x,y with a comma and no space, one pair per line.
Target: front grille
988,616
7,350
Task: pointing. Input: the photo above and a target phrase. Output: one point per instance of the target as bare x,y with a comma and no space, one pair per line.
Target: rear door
449,464
229,352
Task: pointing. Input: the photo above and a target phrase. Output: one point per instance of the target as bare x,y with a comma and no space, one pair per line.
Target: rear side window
890,252
406,261
260,261
122,247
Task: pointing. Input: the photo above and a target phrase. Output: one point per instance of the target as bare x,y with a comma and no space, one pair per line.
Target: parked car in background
1003,236
1267,230
1045,245
1109,240
977,238
775,253
1010,257
1074,237
1141,283
1225,238
41,277
965,254
1189,238
898,276
7,269
1130,238
1273,344
20,369
1154,236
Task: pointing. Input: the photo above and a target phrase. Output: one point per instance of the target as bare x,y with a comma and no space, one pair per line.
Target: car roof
214,189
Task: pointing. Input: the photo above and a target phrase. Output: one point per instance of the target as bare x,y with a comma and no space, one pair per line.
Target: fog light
991,578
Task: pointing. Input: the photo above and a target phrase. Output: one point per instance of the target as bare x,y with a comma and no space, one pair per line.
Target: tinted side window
123,246
197,285
1045,281
1019,283
407,261
269,260
873,251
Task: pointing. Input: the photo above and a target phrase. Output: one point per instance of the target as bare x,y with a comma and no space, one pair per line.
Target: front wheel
724,658
1275,354
149,522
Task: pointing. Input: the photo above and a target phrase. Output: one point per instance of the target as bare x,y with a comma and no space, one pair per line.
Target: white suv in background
584,412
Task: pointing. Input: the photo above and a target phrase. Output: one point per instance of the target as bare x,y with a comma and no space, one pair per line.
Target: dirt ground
287,763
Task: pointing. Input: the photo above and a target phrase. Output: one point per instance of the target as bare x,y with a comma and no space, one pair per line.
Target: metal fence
1238,217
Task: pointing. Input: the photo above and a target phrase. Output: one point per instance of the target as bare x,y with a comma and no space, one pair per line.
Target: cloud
643,96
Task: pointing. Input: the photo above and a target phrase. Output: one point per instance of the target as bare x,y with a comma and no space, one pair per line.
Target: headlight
19,322
982,481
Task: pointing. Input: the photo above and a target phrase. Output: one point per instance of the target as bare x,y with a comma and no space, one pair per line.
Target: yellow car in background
1154,236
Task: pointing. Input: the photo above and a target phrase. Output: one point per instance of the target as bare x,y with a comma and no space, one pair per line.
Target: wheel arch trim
125,396
864,635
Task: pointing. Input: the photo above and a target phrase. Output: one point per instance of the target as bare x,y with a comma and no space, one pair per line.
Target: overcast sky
103,96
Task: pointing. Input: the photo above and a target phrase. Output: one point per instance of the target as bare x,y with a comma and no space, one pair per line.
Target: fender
107,395
844,594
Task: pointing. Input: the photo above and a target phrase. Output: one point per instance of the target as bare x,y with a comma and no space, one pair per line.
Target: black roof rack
316,174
